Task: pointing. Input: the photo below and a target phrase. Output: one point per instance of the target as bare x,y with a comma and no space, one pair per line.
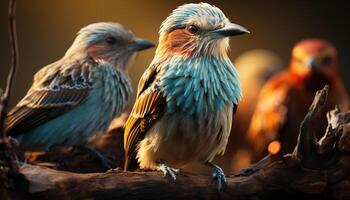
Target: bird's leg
171,172
217,174
107,163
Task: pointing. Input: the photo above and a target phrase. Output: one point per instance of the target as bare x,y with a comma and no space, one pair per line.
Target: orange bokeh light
274,147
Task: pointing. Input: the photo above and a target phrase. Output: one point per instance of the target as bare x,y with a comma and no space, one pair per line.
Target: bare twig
14,63
8,145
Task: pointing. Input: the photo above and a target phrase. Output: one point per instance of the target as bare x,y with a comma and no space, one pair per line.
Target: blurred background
47,28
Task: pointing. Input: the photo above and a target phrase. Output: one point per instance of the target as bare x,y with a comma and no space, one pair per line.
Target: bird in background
78,95
254,67
284,100
188,95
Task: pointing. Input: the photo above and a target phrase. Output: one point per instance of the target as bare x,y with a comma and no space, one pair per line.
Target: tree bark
315,170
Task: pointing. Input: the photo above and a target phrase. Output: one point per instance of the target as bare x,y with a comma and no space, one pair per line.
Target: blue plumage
90,117
200,85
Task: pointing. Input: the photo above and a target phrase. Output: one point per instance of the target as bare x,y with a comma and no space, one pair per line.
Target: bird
187,96
78,95
285,98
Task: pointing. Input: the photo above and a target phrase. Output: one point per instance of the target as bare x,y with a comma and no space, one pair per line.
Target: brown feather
44,102
147,109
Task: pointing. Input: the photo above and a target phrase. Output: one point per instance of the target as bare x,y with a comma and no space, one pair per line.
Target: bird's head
314,57
196,29
107,41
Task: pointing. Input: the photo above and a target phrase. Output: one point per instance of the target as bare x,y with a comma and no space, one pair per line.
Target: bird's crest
96,32
203,14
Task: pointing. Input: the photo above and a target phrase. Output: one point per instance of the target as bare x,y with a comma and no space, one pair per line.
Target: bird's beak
229,29
311,63
139,45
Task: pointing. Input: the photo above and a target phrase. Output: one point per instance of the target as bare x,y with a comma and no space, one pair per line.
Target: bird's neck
76,52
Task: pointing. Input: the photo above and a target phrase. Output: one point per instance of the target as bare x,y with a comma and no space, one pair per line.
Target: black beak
140,44
230,29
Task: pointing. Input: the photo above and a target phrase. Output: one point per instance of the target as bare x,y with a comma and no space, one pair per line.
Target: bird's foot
107,163
217,175
171,172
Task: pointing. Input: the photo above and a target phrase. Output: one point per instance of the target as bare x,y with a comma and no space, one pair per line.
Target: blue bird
187,97
81,93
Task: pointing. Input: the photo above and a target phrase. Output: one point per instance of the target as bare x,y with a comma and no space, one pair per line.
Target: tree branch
9,169
8,145
5,98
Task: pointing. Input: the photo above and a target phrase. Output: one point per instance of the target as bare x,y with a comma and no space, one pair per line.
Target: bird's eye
326,60
192,29
110,40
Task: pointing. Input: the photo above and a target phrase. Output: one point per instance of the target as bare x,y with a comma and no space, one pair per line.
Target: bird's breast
201,87
178,139
116,91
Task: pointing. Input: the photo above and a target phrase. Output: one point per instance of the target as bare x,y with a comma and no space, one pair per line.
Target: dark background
47,28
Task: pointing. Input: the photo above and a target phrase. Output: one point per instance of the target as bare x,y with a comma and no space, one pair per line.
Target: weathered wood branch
315,169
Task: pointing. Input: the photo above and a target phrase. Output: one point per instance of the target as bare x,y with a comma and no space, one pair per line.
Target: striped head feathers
107,41
196,29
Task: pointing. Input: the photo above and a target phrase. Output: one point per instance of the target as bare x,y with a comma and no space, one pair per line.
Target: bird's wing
270,113
56,89
147,78
148,107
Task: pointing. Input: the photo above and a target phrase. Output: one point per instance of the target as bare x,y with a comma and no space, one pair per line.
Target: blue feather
199,85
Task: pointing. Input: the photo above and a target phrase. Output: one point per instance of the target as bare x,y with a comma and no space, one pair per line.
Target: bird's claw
172,172
219,176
